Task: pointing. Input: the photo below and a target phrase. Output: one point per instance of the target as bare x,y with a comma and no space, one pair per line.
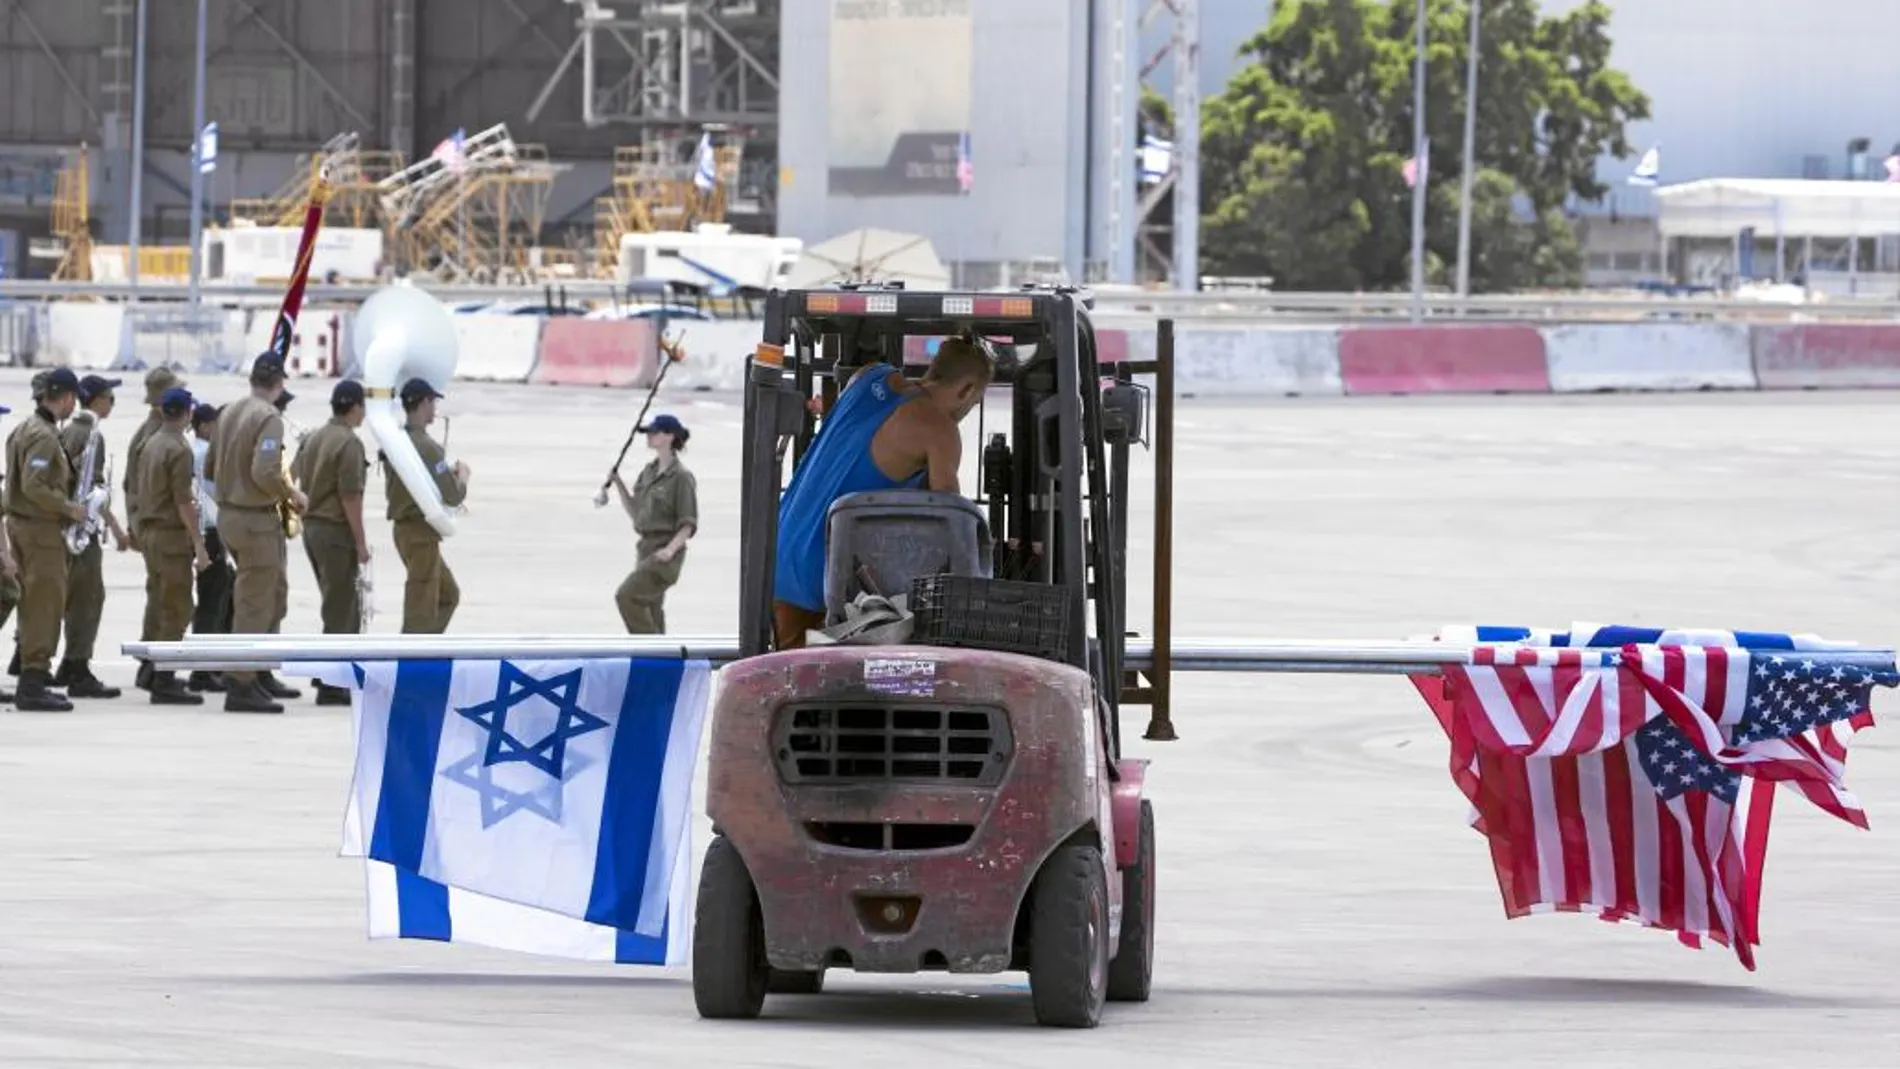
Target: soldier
37,508
246,466
664,508
213,615
9,585
429,593
157,381
86,587
168,526
331,468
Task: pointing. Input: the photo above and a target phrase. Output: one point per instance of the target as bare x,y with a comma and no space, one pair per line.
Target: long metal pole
1420,163
197,151
138,148
1471,151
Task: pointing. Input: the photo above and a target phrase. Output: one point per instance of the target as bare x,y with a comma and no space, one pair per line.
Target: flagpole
1471,151
1422,168
197,157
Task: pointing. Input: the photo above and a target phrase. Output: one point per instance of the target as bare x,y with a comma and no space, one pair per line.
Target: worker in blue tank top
884,432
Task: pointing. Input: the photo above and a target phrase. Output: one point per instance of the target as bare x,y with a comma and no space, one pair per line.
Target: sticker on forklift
914,678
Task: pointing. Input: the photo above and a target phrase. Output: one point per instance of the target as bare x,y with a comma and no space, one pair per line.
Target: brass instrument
90,496
400,333
287,515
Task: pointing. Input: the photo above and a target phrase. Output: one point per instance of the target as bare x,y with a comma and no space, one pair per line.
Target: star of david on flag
538,806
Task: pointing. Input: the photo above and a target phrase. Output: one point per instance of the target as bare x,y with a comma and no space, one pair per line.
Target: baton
600,497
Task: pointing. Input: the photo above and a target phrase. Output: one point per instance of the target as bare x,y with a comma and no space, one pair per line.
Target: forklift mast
1055,486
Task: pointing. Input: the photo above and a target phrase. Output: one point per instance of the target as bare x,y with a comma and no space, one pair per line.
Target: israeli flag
706,168
1649,168
537,806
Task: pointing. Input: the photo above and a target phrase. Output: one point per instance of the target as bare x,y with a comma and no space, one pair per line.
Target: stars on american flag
1674,765
1786,696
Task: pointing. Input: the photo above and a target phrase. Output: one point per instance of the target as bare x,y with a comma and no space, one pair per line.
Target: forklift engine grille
877,743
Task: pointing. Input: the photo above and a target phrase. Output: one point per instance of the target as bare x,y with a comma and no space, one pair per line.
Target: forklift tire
730,973
1068,939
1132,971
795,982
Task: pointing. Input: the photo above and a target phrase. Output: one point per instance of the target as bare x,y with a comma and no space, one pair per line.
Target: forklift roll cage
1062,480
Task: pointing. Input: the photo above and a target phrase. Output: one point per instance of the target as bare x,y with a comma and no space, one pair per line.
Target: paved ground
170,894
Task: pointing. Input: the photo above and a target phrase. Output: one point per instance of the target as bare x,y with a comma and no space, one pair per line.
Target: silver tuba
93,498
402,333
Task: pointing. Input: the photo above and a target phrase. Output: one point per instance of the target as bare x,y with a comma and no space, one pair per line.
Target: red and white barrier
1246,361
1826,355
596,352
1447,358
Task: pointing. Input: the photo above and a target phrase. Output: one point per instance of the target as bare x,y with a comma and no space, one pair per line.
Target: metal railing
1237,308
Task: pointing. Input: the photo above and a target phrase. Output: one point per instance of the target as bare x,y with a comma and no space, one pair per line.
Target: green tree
1302,154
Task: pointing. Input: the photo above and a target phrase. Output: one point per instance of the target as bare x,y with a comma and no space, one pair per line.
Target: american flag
1631,773
966,168
451,151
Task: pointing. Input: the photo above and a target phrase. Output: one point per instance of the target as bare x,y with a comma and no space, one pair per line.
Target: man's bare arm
943,450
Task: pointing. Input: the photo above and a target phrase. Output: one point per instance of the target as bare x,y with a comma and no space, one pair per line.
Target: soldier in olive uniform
331,469
664,507
9,583
245,465
168,527
157,381
38,508
213,615
429,593
86,586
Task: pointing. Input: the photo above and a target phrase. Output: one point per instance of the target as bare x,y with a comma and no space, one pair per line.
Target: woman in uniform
664,507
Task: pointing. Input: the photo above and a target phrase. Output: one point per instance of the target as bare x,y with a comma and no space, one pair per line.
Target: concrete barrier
1649,356
83,334
716,354
596,352
1443,358
499,348
1823,355
1253,361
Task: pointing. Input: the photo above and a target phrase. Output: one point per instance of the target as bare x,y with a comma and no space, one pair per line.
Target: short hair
961,359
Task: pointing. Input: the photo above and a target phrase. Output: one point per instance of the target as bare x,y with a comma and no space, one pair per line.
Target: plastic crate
990,614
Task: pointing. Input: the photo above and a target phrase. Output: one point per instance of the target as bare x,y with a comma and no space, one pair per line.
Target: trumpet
93,498
674,352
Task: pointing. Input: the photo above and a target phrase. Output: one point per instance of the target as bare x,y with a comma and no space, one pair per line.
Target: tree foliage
1302,155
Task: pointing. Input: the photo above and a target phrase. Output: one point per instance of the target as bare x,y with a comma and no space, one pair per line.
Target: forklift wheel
1130,974
1068,939
729,967
794,982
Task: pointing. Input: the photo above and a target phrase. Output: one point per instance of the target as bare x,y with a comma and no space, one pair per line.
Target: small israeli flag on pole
706,177
208,148
1648,168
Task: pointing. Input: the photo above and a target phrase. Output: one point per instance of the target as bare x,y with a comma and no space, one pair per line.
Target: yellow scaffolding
72,220
653,191
482,225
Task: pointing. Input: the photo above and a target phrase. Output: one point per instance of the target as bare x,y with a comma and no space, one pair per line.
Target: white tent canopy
1791,207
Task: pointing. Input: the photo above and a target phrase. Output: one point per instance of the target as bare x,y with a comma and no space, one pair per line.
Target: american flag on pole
1631,772
451,151
966,167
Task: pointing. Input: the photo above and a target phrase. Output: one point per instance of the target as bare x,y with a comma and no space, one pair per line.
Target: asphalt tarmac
171,894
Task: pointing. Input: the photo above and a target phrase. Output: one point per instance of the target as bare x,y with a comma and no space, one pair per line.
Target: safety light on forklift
881,304
989,307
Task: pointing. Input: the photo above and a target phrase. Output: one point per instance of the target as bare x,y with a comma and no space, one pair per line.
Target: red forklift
957,801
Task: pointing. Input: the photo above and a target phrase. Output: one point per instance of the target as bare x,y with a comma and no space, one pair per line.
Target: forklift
956,800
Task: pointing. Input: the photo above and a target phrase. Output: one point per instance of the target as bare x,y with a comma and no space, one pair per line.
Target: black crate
990,614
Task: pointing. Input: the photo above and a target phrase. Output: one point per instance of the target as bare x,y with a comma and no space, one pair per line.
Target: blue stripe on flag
1503,634
1763,640
416,710
422,907
632,795
1624,636
632,948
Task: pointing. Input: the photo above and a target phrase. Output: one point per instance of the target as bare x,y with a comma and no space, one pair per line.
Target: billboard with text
899,115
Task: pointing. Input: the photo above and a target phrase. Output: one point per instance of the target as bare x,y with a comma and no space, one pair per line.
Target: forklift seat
897,535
